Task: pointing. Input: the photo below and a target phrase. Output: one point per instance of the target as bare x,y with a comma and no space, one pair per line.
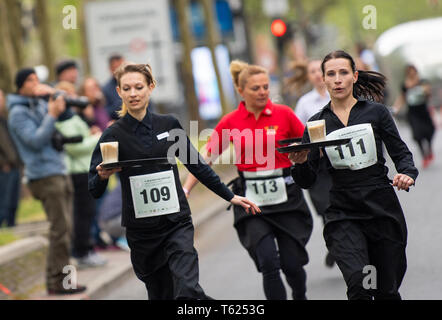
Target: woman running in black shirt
365,227
415,93
156,213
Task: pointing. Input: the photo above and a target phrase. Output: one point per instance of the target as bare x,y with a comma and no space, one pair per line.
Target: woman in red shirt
264,176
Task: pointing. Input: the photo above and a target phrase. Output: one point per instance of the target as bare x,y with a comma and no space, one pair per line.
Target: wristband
187,192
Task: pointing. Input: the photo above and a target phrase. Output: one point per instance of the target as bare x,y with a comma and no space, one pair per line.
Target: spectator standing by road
77,160
113,100
91,89
32,126
67,70
10,167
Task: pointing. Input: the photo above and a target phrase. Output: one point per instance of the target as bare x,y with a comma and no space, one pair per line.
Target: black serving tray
313,145
134,163
289,140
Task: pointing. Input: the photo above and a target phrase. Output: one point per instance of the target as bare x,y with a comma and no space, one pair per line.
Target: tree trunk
15,29
187,72
45,36
213,40
8,62
83,35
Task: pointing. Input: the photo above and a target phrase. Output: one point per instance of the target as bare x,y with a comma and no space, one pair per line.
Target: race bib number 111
359,153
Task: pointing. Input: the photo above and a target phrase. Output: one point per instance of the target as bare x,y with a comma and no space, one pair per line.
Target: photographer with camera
32,127
78,157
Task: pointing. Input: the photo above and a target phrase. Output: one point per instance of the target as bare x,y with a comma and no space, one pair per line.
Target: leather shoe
78,289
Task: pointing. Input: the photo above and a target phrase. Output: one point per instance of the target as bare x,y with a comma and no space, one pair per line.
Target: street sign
138,30
275,8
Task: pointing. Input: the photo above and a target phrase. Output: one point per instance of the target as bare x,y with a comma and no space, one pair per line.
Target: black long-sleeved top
384,130
156,136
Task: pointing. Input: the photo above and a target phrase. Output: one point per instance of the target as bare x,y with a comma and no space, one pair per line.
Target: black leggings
425,147
271,260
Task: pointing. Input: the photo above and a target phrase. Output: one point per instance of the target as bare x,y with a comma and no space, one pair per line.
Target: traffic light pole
280,31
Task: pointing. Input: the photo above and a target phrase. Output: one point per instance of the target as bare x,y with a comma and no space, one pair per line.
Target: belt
264,174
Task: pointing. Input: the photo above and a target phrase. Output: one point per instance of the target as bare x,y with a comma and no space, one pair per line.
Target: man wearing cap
32,124
67,70
113,100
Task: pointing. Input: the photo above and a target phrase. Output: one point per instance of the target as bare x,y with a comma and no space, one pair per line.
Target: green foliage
30,210
347,16
7,237
67,41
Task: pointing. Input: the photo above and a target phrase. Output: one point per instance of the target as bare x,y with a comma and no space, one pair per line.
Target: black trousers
271,261
165,259
320,191
356,244
84,211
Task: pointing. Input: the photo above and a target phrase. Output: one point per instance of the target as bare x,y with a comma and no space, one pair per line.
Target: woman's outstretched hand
402,181
246,204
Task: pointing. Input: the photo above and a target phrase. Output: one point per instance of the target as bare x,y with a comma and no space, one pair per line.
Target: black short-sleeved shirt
156,136
384,130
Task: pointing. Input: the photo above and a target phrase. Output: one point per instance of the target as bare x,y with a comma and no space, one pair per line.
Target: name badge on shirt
154,194
359,153
163,135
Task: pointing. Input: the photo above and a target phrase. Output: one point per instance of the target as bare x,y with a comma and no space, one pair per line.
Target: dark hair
113,57
409,67
64,65
299,78
22,75
370,84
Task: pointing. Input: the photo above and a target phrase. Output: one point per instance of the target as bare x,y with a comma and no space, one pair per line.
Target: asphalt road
227,272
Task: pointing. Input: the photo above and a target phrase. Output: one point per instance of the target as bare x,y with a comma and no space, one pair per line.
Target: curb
102,285
21,247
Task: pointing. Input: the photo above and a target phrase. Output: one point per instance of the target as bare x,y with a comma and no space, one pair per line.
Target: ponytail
299,78
370,86
241,71
121,113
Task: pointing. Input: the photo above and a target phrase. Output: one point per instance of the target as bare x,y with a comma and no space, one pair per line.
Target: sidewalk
204,205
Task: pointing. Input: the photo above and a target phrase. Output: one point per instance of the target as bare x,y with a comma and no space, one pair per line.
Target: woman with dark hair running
365,228
415,93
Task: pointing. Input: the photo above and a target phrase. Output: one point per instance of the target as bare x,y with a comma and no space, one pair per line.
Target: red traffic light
278,28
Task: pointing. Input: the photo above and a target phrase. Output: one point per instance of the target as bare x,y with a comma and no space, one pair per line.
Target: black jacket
153,145
385,131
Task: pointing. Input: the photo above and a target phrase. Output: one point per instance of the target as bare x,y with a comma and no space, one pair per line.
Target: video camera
81,102
58,140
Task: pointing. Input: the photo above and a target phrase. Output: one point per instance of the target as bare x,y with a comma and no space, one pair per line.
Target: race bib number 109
154,194
359,153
